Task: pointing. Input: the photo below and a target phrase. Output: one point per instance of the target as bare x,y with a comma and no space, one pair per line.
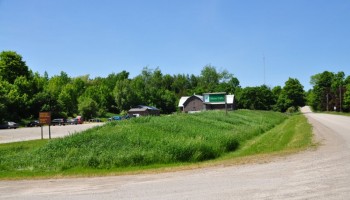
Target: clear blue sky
299,38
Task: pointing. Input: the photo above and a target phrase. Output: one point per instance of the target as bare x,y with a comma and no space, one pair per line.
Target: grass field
153,142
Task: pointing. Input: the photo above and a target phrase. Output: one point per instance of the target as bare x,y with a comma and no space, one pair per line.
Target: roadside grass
151,143
292,135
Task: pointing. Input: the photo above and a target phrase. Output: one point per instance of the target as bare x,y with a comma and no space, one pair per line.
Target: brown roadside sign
45,117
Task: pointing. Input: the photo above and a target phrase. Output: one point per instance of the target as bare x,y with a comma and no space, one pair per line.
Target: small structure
142,110
192,103
209,101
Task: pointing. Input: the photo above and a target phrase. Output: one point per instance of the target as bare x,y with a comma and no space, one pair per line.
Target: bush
291,110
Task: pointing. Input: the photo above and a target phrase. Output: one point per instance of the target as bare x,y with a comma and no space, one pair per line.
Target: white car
13,125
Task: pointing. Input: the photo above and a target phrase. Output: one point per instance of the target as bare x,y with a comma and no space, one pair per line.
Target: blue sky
298,38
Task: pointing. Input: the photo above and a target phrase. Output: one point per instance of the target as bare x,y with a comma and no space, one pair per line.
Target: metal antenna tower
264,69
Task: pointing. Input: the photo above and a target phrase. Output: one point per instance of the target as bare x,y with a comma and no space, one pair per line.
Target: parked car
115,118
13,125
7,125
95,120
3,125
80,119
59,122
73,121
34,123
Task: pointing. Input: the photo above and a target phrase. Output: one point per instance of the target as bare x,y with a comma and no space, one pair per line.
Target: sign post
42,132
45,118
226,104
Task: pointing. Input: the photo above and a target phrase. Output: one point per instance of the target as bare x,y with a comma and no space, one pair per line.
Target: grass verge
292,135
151,143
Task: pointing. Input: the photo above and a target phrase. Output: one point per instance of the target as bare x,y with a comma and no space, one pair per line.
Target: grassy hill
148,142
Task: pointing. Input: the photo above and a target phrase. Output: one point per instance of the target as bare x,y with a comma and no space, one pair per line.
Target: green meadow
156,142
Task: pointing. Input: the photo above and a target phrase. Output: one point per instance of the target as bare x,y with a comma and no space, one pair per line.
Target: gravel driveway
316,174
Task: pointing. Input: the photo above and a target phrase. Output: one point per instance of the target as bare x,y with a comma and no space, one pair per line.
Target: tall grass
142,141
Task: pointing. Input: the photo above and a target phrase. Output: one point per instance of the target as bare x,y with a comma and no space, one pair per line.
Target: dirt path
316,174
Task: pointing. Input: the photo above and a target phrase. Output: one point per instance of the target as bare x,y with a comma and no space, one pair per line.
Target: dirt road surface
315,174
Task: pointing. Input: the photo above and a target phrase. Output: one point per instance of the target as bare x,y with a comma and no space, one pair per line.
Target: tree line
330,92
24,93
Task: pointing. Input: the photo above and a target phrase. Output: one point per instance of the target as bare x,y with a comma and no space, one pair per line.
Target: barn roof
137,109
184,99
147,107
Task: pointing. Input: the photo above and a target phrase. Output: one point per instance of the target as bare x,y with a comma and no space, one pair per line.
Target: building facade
193,103
197,103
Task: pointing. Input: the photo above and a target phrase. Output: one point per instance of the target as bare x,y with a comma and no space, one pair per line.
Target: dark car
95,120
7,125
59,122
34,123
73,121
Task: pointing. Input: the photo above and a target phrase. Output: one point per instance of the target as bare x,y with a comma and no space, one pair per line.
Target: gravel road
315,174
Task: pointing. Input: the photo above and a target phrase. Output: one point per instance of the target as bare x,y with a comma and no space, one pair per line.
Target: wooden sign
45,117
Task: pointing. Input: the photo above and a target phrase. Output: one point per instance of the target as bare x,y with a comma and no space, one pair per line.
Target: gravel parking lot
34,133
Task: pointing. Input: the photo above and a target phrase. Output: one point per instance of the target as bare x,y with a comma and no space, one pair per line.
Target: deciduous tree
12,66
292,95
256,98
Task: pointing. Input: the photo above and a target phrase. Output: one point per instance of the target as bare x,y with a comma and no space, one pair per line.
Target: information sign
45,117
214,98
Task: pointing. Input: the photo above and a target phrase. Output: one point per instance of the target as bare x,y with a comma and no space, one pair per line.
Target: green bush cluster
145,141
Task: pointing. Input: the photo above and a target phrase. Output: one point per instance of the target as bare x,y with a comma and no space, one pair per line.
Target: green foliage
17,87
276,91
12,66
181,84
113,78
291,110
143,141
167,103
347,97
24,93
256,98
124,95
4,101
88,107
211,80
329,91
68,99
292,95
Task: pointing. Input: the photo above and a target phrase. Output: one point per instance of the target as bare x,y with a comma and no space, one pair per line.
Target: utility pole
340,87
327,102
